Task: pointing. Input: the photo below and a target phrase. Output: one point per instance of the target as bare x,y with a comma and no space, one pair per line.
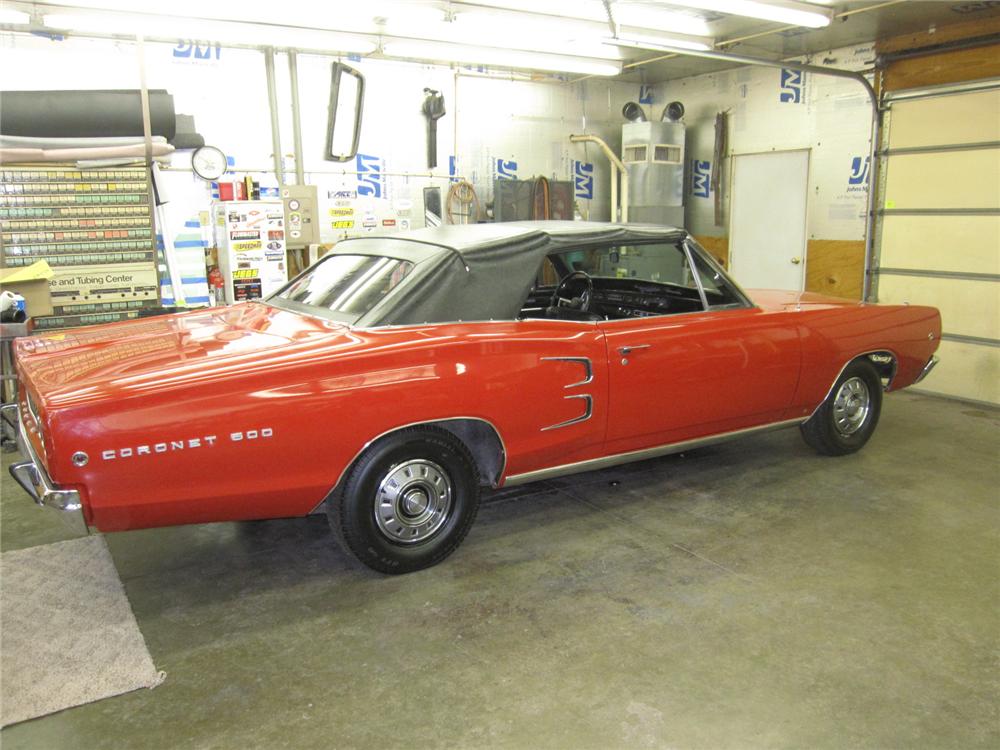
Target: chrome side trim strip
589,400
588,368
588,412
931,363
624,458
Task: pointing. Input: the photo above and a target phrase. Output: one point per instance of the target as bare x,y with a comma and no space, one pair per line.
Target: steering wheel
562,296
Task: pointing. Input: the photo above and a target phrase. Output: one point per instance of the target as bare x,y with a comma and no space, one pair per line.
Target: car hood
780,299
184,347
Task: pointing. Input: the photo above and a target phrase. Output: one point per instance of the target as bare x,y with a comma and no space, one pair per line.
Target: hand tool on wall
433,109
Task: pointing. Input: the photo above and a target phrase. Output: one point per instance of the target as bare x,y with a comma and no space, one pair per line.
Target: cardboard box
32,283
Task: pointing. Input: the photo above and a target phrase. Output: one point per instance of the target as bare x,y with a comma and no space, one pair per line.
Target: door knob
796,260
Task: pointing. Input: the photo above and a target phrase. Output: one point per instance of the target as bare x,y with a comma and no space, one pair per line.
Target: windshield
347,285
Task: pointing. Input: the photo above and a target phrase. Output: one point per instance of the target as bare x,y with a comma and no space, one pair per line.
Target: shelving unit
95,229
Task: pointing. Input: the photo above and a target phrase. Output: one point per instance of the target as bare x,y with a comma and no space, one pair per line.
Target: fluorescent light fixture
651,46
647,41
657,19
215,31
546,34
13,16
338,15
634,34
780,11
504,58
591,10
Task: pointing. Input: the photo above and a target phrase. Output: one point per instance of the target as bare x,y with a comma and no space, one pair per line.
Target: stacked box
94,227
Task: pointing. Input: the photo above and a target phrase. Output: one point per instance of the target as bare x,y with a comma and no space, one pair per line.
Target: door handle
796,260
626,350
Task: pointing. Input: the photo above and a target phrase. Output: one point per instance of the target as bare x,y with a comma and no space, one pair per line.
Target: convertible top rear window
347,285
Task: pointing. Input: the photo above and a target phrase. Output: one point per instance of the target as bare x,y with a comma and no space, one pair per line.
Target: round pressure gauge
209,163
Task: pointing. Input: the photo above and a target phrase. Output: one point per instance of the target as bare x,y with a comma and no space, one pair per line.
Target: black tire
837,429
407,502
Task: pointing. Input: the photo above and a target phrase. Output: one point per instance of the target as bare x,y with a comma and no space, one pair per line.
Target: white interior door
767,231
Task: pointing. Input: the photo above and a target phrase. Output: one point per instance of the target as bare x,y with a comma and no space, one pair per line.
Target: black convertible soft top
482,271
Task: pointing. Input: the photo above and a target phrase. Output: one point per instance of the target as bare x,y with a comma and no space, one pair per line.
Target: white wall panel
488,118
831,116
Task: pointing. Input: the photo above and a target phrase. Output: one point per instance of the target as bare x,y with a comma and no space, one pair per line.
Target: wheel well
480,437
483,442
885,363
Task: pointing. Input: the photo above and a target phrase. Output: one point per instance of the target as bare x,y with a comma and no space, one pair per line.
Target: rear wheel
847,418
408,501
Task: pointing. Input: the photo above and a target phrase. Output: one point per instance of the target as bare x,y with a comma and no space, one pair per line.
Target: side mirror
347,94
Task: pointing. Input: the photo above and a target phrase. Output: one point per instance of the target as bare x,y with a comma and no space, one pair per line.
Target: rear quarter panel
832,336
271,438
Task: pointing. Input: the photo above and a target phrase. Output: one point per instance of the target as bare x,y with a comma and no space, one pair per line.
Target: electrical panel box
301,215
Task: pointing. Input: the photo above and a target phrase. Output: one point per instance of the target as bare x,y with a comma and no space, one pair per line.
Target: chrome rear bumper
927,369
34,480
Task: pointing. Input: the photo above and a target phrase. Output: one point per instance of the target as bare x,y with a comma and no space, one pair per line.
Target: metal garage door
939,228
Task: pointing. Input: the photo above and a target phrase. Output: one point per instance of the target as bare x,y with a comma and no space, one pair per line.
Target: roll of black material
60,114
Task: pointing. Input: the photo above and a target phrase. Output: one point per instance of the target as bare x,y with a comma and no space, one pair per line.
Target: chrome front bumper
927,369
33,478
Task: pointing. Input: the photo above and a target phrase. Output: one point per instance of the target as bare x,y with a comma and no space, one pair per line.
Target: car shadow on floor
210,564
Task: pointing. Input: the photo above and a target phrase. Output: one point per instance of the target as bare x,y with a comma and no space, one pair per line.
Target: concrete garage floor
743,596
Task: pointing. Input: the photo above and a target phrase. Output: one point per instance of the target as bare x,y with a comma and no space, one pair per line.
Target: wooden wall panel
836,267
953,32
718,247
971,64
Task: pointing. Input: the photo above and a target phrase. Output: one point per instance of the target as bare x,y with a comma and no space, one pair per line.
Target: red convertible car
396,377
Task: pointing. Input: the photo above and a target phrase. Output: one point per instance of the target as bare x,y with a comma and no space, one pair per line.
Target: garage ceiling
854,23
627,39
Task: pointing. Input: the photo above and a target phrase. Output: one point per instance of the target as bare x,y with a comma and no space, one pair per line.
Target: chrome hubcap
413,501
851,406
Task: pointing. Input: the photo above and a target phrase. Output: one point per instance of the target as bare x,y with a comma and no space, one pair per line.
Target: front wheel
847,418
408,502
